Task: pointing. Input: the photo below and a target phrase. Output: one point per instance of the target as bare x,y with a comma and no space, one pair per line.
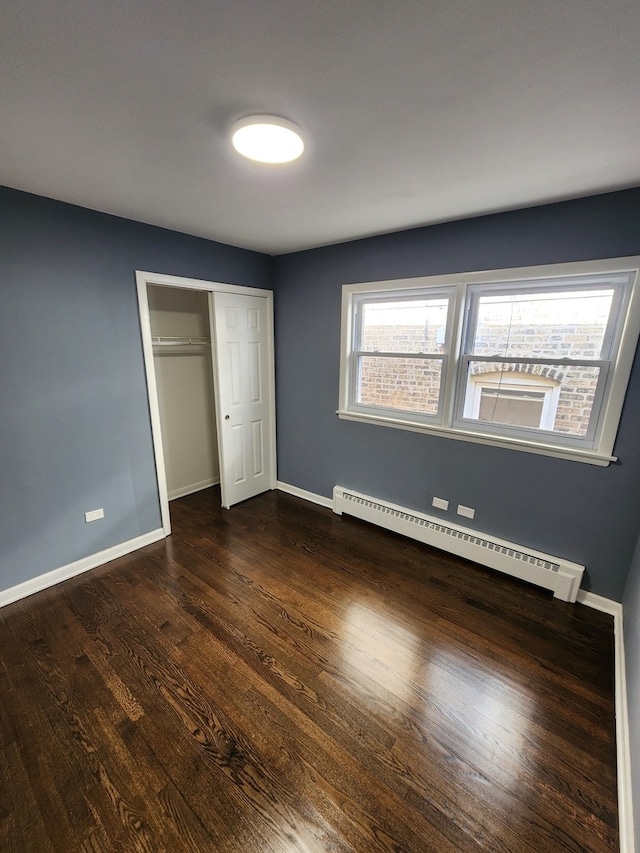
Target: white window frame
596,448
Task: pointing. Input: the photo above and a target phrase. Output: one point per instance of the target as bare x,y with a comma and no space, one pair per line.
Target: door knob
226,417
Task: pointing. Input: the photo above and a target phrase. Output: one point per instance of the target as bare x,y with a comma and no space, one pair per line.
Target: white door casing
267,377
244,409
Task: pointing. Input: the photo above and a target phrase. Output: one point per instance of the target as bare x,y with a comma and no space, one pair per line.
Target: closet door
245,404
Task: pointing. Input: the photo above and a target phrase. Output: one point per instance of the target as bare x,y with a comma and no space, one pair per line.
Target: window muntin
498,388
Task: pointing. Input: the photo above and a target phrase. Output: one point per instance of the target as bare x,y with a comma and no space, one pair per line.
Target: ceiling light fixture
267,139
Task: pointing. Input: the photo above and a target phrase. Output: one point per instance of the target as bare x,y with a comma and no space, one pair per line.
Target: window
537,359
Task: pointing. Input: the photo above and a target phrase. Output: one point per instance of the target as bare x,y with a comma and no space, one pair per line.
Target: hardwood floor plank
516,762
168,751
258,667
20,816
219,740
278,678
56,781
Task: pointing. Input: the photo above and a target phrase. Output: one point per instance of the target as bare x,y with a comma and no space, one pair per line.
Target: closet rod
166,341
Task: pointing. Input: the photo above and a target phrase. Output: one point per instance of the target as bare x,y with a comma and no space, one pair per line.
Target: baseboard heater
560,576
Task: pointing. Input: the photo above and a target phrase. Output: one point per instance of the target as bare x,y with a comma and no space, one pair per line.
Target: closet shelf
165,341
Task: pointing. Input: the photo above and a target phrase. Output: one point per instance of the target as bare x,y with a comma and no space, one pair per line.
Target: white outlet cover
94,515
467,511
440,503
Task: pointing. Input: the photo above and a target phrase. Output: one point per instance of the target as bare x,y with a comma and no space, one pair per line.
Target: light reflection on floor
496,715
380,647
495,711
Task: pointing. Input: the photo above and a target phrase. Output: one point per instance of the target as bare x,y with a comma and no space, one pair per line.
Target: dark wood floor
277,678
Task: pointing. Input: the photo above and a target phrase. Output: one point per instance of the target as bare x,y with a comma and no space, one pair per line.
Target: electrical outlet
440,503
467,511
94,515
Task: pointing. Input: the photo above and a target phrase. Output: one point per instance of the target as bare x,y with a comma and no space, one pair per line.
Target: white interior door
245,404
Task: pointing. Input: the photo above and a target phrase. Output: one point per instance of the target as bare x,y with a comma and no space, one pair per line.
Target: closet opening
182,360
208,351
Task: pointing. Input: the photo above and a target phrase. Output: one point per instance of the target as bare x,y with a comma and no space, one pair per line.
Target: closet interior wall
184,378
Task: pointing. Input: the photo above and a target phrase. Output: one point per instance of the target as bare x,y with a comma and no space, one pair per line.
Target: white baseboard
625,792
305,495
598,602
183,491
625,787
625,778
22,590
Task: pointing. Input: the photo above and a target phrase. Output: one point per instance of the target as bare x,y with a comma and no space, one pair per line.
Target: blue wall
631,607
74,429
74,424
581,512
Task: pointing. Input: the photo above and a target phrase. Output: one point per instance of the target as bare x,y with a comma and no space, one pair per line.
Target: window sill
589,456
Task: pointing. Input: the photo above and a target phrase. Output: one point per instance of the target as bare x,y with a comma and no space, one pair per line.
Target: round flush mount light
267,139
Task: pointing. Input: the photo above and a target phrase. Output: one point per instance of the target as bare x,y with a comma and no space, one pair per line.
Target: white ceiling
414,111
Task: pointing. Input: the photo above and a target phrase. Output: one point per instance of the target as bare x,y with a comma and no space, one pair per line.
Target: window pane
557,398
556,324
403,384
408,325
511,407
